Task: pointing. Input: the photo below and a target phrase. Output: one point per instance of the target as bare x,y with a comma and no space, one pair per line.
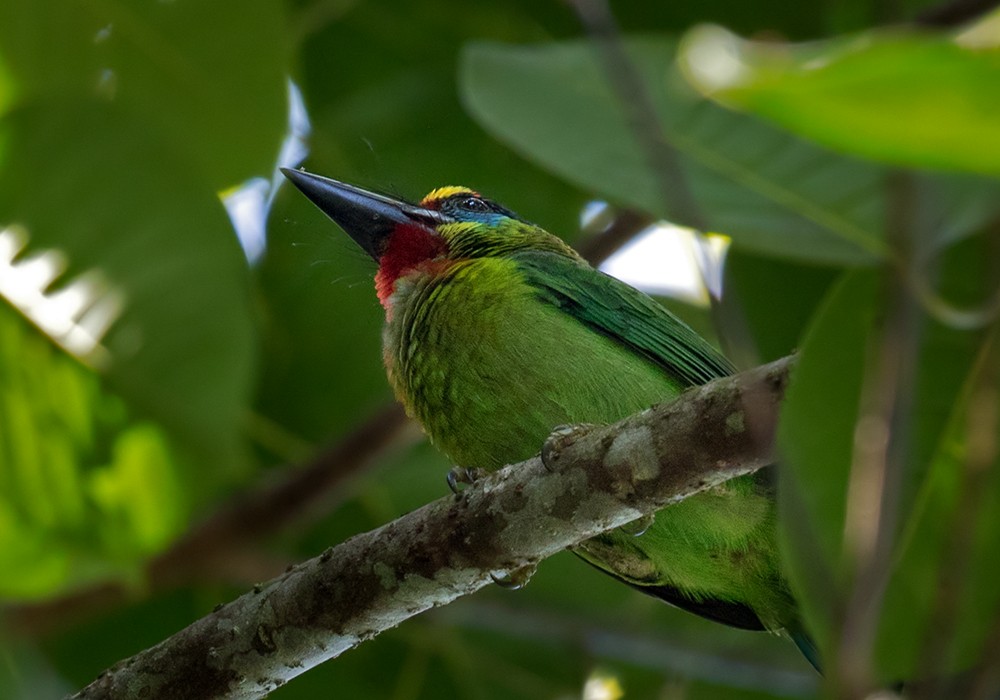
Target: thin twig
880,455
643,116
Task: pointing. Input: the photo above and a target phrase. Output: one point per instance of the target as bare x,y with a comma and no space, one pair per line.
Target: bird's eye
475,204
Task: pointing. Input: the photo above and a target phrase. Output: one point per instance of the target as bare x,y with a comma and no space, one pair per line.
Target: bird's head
448,225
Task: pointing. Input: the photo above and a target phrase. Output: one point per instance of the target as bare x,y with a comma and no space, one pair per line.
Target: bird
497,332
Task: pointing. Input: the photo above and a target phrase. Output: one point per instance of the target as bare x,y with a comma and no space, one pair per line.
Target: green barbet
497,332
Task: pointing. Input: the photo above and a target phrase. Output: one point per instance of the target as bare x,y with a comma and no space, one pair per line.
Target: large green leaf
919,100
122,206
770,191
815,438
212,75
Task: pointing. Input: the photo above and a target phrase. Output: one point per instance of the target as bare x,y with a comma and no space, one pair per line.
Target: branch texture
585,481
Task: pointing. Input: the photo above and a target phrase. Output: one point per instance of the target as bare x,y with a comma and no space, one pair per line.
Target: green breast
489,369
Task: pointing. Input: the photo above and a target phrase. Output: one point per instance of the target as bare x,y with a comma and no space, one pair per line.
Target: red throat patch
407,248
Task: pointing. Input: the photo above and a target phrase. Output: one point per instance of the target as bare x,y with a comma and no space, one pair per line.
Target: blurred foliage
860,94
952,366
85,490
120,122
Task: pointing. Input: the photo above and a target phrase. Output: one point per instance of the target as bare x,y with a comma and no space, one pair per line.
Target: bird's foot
459,477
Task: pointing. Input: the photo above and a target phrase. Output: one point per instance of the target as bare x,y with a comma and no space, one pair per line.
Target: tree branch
585,481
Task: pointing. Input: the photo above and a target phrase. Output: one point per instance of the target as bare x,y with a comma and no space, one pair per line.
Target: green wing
639,323
624,314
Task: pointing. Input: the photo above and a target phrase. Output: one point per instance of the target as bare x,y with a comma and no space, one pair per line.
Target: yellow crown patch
445,192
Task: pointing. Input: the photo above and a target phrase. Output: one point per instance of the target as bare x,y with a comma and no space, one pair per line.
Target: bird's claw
515,578
457,477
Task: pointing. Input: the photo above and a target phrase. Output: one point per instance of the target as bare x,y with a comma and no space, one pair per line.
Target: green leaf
85,491
816,438
120,206
942,602
916,100
6,87
771,192
322,369
211,75
25,673
774,299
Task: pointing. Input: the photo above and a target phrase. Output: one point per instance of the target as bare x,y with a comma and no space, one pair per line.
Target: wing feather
618,311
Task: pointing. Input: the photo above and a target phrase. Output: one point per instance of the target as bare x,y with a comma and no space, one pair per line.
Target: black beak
367,217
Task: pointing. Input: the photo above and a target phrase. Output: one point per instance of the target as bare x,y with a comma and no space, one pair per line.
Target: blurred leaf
770,191
918,100
181,351
395,122
210,75
84,492
949,552
322,359
816,438
776,298
6,86
25,674
942,599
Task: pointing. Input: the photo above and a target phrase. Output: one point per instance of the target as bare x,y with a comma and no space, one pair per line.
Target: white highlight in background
250,203
672,261
76,316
